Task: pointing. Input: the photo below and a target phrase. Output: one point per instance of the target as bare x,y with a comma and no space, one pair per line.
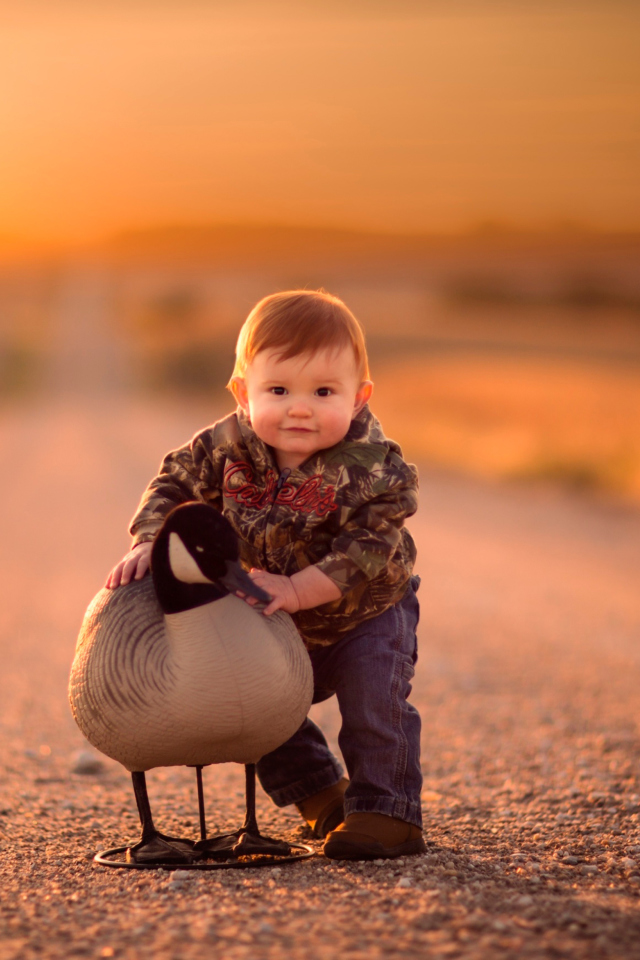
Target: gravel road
528,686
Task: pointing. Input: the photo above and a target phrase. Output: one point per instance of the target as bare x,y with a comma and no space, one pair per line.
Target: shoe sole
338,849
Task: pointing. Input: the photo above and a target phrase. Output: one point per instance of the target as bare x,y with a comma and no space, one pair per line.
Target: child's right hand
132,567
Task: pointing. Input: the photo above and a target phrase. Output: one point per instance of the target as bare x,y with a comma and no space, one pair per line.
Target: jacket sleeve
368,541
188,473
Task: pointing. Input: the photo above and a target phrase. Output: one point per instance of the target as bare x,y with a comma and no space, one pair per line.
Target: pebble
524,901
87,763
404,882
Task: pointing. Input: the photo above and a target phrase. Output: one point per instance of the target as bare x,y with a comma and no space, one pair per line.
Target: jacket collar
365,430
260,453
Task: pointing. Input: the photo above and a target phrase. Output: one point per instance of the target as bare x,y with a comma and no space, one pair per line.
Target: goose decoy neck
175,595
194,560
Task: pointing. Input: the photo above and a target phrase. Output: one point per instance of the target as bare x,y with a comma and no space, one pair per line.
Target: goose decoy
175,669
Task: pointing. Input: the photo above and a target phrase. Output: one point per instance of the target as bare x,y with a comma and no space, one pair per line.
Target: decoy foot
162,849
153,846
245,842
230,846
255,844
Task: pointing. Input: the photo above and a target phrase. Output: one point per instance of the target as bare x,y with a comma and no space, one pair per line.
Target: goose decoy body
175,669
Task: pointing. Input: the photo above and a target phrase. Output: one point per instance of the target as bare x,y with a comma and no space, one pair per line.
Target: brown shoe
324,810
373,836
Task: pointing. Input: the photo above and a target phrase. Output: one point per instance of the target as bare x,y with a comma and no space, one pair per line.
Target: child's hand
132,567
280,588
305,589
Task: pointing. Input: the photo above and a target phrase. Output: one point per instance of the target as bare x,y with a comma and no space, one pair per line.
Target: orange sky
418,116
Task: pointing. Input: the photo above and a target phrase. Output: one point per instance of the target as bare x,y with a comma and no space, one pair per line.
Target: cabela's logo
308,497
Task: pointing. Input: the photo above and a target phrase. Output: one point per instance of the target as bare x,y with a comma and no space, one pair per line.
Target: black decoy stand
244,848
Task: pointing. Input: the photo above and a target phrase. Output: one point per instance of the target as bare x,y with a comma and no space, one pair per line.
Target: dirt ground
527,683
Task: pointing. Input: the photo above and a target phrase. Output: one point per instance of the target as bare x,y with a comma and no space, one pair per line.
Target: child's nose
299,408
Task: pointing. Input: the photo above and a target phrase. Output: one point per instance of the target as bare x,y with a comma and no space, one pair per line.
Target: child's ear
239,391
362,396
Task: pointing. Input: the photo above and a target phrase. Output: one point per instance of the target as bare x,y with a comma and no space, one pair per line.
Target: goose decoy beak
236,579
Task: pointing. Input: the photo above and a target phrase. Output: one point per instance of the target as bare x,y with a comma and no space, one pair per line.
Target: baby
318,497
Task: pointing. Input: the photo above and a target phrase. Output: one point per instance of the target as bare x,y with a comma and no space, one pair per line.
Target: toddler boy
318,497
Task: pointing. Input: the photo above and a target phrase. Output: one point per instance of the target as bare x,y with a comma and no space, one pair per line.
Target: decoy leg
203,822
247,841
251,840
155,847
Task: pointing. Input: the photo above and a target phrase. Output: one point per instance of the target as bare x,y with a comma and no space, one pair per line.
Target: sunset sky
399,116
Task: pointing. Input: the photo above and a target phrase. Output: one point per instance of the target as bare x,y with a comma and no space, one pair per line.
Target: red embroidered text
309,497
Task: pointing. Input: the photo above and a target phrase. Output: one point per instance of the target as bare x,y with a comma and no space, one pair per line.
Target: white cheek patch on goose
183,566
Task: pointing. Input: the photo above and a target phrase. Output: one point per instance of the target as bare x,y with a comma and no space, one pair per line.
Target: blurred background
463,173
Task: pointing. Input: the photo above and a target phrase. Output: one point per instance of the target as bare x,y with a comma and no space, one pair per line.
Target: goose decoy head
195,560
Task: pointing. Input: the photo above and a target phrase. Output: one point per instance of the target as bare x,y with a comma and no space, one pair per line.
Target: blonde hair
296,322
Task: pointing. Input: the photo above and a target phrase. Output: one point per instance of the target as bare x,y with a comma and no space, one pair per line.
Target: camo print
343,510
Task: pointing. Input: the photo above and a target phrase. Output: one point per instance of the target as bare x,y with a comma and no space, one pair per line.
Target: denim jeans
369,670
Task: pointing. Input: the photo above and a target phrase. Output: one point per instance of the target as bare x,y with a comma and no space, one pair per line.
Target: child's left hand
305,589
280,588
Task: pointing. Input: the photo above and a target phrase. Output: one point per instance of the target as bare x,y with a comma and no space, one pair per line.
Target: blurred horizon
186,233
400,118
463,173
250,239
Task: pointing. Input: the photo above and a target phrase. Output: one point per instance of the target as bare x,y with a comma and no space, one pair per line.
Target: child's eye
278,391
324,391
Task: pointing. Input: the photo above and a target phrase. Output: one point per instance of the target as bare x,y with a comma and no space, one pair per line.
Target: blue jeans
369,669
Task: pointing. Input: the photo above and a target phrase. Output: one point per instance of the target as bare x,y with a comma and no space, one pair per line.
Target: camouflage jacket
343,510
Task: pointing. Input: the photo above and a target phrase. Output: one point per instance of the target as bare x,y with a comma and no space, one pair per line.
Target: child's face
304,404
